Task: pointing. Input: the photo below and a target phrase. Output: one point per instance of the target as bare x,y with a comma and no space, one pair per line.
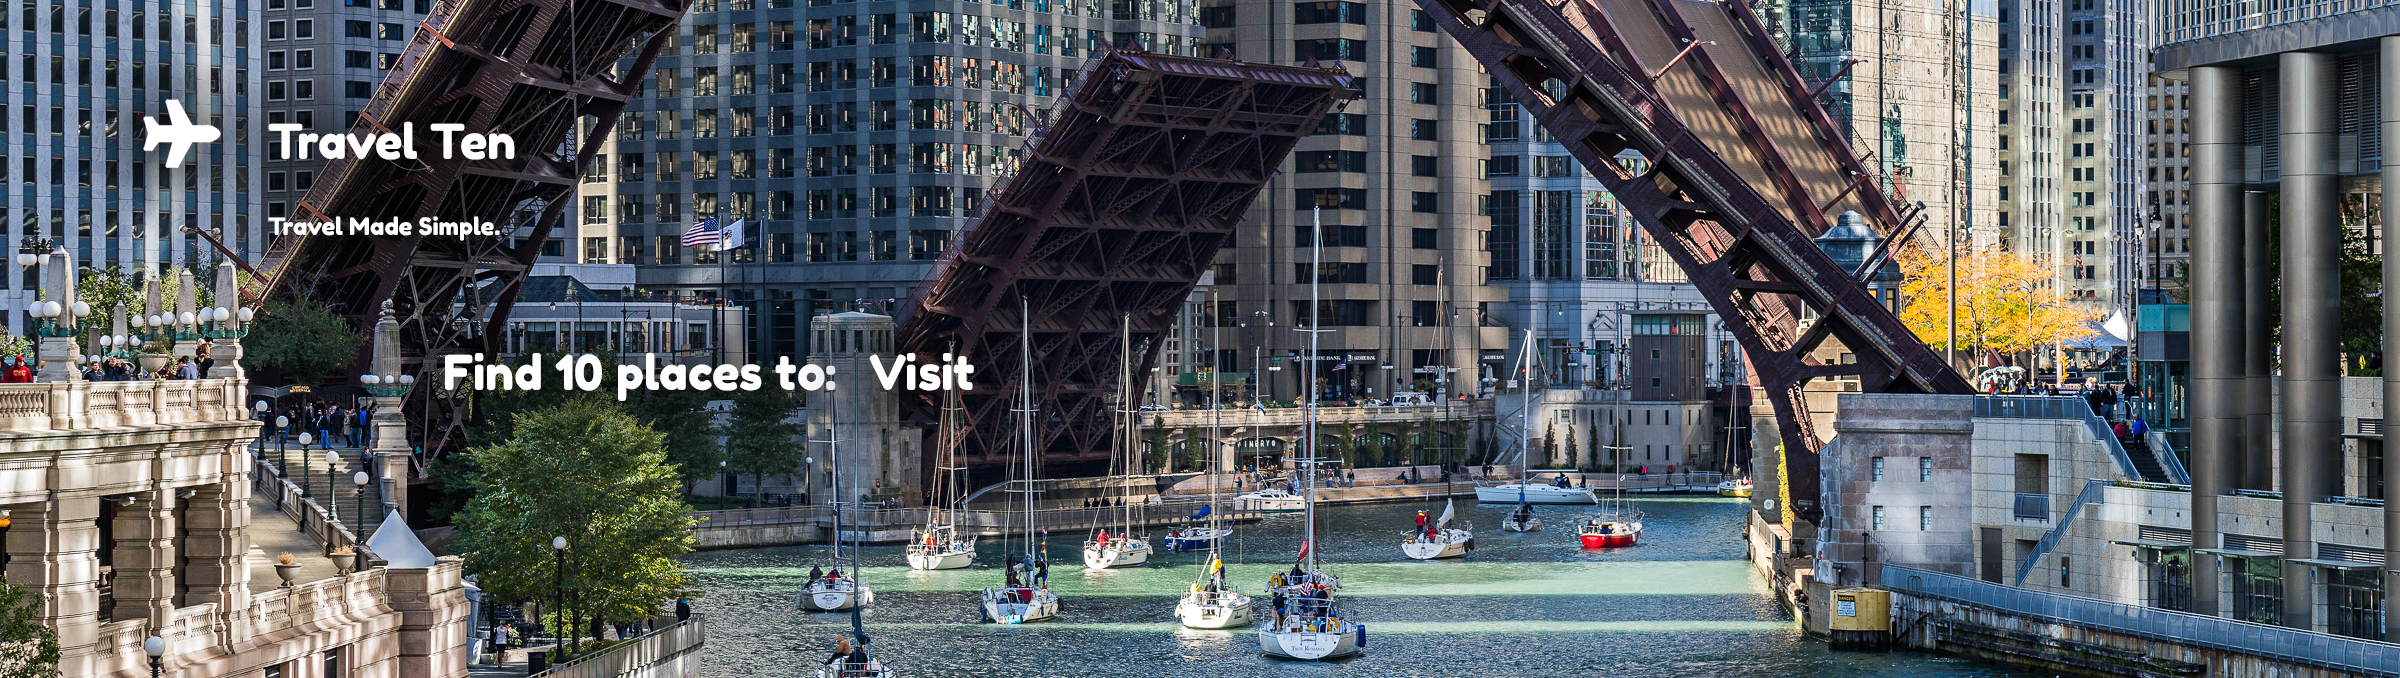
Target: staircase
2145,460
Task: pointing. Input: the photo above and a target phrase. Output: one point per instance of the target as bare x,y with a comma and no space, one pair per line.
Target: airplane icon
179,133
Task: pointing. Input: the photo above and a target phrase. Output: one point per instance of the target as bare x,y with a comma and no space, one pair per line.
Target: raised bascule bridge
543,72
1123,197
1746,168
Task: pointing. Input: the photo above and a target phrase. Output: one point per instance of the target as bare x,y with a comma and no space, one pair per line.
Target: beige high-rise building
1917,83
1396,178
2073,79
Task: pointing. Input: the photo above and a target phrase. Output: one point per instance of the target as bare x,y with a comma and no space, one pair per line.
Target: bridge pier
2217,311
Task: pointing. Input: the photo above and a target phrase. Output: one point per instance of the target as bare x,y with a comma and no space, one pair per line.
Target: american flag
703,233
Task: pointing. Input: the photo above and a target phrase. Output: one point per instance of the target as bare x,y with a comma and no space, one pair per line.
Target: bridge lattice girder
536,70
1745,169
1121,201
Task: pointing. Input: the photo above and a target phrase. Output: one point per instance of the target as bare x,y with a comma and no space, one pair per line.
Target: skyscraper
82,77
1396,178
2074,82
322,61
853,138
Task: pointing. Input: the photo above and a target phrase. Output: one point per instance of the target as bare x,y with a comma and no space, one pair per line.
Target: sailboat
940,546
1122,549
835,591
1306,624
1615,525
1522,519
855,656
1525,490
1441,540
1210,604
1027,597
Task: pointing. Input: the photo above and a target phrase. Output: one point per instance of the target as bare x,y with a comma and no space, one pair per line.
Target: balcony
2033,507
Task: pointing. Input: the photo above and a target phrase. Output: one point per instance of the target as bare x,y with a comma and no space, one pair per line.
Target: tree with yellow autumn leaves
2006,302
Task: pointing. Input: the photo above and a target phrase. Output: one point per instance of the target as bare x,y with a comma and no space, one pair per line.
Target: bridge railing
2363,657
640,656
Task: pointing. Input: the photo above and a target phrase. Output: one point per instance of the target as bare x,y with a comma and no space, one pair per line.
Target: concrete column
143,550
2257,463
2216,401
2312,396
216,549
2390,74
53,548
436,625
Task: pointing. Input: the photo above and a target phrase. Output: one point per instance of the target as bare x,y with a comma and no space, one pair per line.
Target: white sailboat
1522,518
940,546
1525,490
1027,597
1441,541
1210,604
1270,500
835,591
1306,624
1123,549
854,657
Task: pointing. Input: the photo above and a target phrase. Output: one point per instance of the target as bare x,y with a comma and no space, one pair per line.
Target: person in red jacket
19,371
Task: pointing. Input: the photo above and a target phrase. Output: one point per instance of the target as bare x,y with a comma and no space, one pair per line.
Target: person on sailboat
815,573
1420,521
841,650
1041,574
1013,569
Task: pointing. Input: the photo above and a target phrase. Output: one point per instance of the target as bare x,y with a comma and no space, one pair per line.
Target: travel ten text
578,372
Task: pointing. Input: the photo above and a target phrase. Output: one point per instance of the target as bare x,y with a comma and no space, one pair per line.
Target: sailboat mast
1525,411
1025,410
1316,261
1126,413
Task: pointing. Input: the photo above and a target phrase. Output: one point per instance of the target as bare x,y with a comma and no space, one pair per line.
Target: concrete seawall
2074,650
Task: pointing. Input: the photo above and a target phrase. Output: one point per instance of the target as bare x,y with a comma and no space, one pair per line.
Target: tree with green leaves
761,439
683,417
1372,450
1162,452
588,472
27,647
1574,449
303,337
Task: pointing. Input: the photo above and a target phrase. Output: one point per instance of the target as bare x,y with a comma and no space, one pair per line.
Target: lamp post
259,409
156,647
358,484
282,443
305,439
31,251
333,496
558,591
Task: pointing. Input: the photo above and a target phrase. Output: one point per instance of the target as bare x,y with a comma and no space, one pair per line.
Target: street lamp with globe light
558,592
283,440
358,484
156,647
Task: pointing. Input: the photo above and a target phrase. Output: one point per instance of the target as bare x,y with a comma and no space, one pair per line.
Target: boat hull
1224,611
1535,494
1200,539
1529,525
941,561
1733,489
1451,544
833,599
873,668
1128,554
1270,503
1019,605
1309,645
1613,539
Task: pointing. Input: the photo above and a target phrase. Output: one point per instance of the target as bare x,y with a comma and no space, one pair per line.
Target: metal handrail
2092,490
2059,407
2165,450
2342,653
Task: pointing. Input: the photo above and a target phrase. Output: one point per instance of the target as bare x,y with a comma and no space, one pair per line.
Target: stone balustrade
83,405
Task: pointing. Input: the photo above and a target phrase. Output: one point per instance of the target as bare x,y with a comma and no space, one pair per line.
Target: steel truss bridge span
1122,199
1745,169
544,72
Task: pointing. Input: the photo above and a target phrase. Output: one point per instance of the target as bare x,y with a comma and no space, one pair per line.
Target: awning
2148,544
2240,553
2338,564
